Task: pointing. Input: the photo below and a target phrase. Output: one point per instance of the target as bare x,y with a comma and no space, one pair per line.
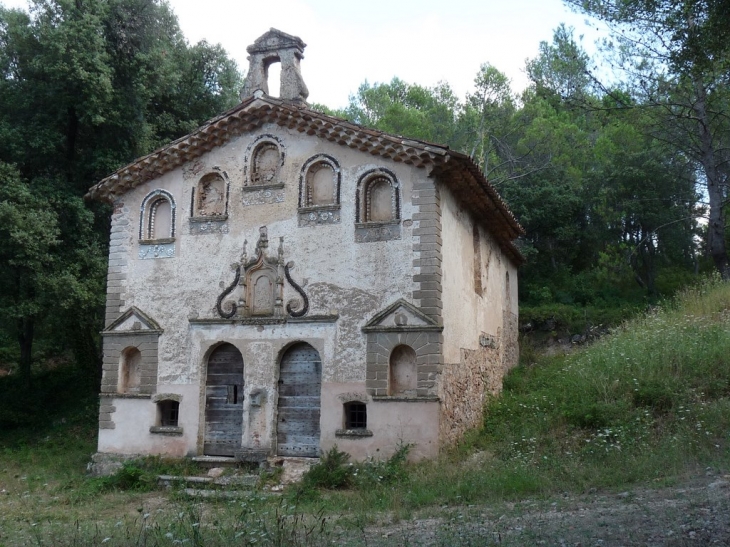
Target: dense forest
617,166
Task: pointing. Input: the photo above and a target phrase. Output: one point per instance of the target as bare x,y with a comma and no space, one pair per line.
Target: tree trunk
25,339
72,130
716,227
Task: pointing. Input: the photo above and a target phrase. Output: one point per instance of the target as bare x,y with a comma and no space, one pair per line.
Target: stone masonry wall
463,389
116,281
427,265
510,342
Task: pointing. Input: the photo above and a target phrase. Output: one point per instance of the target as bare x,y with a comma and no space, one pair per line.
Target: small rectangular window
356,416
169,412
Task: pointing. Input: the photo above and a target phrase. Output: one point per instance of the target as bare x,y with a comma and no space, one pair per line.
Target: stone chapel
282,281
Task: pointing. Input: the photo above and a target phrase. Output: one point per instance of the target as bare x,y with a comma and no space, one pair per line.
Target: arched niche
403,373
377,207
210,198
157,216
130,376
378,197
264,162
320,182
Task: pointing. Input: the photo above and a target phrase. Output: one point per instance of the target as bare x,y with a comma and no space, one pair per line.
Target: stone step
202,493
228,482
208,462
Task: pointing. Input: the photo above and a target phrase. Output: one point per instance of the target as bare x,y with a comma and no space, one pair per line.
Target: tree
611,211
29,235
487,128
86,86
660,45
403,109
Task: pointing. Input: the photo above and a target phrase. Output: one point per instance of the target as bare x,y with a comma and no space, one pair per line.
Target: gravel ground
695,512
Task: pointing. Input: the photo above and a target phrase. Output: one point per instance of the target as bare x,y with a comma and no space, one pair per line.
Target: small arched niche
321,185
129,370
210,196
403,375
266,163
378,197
157,216
319,191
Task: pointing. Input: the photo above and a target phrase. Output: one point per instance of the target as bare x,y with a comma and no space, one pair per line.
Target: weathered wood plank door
300,386
223,402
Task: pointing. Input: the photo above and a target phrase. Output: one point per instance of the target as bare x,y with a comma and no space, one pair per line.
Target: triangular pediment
133,321
401,314
275,40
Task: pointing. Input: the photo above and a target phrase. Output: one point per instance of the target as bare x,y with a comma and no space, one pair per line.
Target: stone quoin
281,281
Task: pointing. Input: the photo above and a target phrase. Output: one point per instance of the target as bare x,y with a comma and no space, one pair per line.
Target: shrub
386,472
655,395
332,471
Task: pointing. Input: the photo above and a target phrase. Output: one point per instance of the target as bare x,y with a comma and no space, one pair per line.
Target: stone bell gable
276,46
281,281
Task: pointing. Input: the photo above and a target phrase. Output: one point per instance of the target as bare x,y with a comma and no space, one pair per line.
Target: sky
419,41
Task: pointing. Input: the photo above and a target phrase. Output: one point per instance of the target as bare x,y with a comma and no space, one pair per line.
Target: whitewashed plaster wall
466,314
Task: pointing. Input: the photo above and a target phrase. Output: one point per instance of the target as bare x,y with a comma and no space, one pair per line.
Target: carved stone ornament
209,226
258,286
254,196
166,250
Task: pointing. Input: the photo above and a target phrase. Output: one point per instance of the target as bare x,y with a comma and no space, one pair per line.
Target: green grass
649,403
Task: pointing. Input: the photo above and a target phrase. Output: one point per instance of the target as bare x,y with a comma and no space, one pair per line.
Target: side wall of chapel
479,317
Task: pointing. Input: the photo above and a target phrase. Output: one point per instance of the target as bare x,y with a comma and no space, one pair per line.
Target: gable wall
340,276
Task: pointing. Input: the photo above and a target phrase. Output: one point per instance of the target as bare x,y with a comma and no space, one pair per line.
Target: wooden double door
299,398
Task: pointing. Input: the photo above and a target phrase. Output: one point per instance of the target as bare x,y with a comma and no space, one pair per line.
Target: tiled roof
456,170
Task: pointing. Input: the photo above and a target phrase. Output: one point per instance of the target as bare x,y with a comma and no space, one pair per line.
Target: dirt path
697,512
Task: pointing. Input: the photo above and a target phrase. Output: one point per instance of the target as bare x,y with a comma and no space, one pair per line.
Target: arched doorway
300,385
223,402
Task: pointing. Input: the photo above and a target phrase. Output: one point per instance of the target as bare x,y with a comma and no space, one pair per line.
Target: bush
332,471
131,476
386,472
655,395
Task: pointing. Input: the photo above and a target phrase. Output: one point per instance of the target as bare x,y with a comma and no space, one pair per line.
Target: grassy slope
647,403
